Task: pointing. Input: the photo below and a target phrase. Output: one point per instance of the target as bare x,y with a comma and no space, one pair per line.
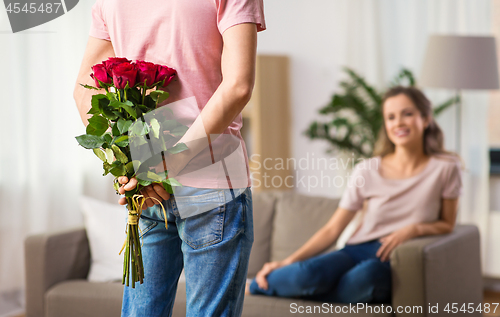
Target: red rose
146,73
113,61
165,73
100,74
123,73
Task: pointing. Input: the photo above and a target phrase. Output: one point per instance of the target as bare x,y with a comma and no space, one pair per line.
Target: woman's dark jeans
353,274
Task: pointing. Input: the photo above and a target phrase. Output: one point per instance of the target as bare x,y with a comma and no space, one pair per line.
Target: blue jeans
353,274
213,248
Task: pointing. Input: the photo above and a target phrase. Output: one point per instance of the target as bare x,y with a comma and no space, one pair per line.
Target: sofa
426,271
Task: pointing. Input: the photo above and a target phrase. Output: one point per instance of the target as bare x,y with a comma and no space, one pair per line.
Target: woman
411,188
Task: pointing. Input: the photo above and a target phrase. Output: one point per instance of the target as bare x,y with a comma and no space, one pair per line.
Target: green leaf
144,182
139,128
136,164
111,96
109,156
100,154
155,126
134,94
130,166
106,167
124,125
121,141
180,130
108,138
169,125
450,102
95,101
114,130
90,141
93,111
115,103
119,154
154,176
89,87
131,111
137,140
149,176
127,105
404,74
140,112
108,113
118,171
168,188
159,96
172,182
179,147
98,101
98,125
91,130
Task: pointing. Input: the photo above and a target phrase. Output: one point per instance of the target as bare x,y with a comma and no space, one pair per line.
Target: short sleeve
353,198
453,182
98,27
233,12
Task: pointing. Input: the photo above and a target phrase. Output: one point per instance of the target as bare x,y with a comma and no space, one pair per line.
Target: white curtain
43,171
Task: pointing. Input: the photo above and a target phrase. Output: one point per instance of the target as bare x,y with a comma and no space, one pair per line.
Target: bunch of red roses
118,118
119,71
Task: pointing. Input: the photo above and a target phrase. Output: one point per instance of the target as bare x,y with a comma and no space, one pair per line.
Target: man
212,45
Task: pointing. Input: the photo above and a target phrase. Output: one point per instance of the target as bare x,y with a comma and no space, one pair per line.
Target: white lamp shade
460,62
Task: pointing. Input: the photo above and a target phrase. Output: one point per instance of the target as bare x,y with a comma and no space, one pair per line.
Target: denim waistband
191,201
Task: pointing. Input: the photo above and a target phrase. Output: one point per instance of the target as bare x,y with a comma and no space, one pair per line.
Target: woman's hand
154,190
394,239
261,279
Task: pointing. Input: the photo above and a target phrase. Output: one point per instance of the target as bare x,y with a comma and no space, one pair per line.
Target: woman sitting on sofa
411,188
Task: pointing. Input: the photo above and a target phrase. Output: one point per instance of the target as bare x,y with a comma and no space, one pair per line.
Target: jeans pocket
203,230
146,225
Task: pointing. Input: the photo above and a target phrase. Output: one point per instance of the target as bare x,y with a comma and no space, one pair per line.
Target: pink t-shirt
395,203
186,36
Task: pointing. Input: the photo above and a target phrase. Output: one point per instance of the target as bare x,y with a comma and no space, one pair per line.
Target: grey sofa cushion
298,217
266,306
263,214
84,299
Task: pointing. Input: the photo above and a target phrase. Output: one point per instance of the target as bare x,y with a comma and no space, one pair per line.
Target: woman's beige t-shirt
395,203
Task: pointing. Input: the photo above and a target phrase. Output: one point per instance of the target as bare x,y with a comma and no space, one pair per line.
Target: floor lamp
458,63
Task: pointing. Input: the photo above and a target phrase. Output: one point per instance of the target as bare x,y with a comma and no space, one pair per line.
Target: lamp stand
458,122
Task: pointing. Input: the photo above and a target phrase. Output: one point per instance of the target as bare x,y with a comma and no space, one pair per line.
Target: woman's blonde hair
433,137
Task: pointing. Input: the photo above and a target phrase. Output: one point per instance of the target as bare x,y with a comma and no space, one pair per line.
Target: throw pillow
105,224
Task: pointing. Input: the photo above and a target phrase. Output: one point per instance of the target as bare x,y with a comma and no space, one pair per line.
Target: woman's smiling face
403,121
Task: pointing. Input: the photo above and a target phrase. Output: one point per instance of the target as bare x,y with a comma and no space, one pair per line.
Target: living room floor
491,295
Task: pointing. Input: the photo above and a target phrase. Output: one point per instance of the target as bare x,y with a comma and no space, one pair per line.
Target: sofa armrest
51,258
438,269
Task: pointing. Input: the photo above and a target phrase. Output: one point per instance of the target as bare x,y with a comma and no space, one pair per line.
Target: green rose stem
143,93
133,268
